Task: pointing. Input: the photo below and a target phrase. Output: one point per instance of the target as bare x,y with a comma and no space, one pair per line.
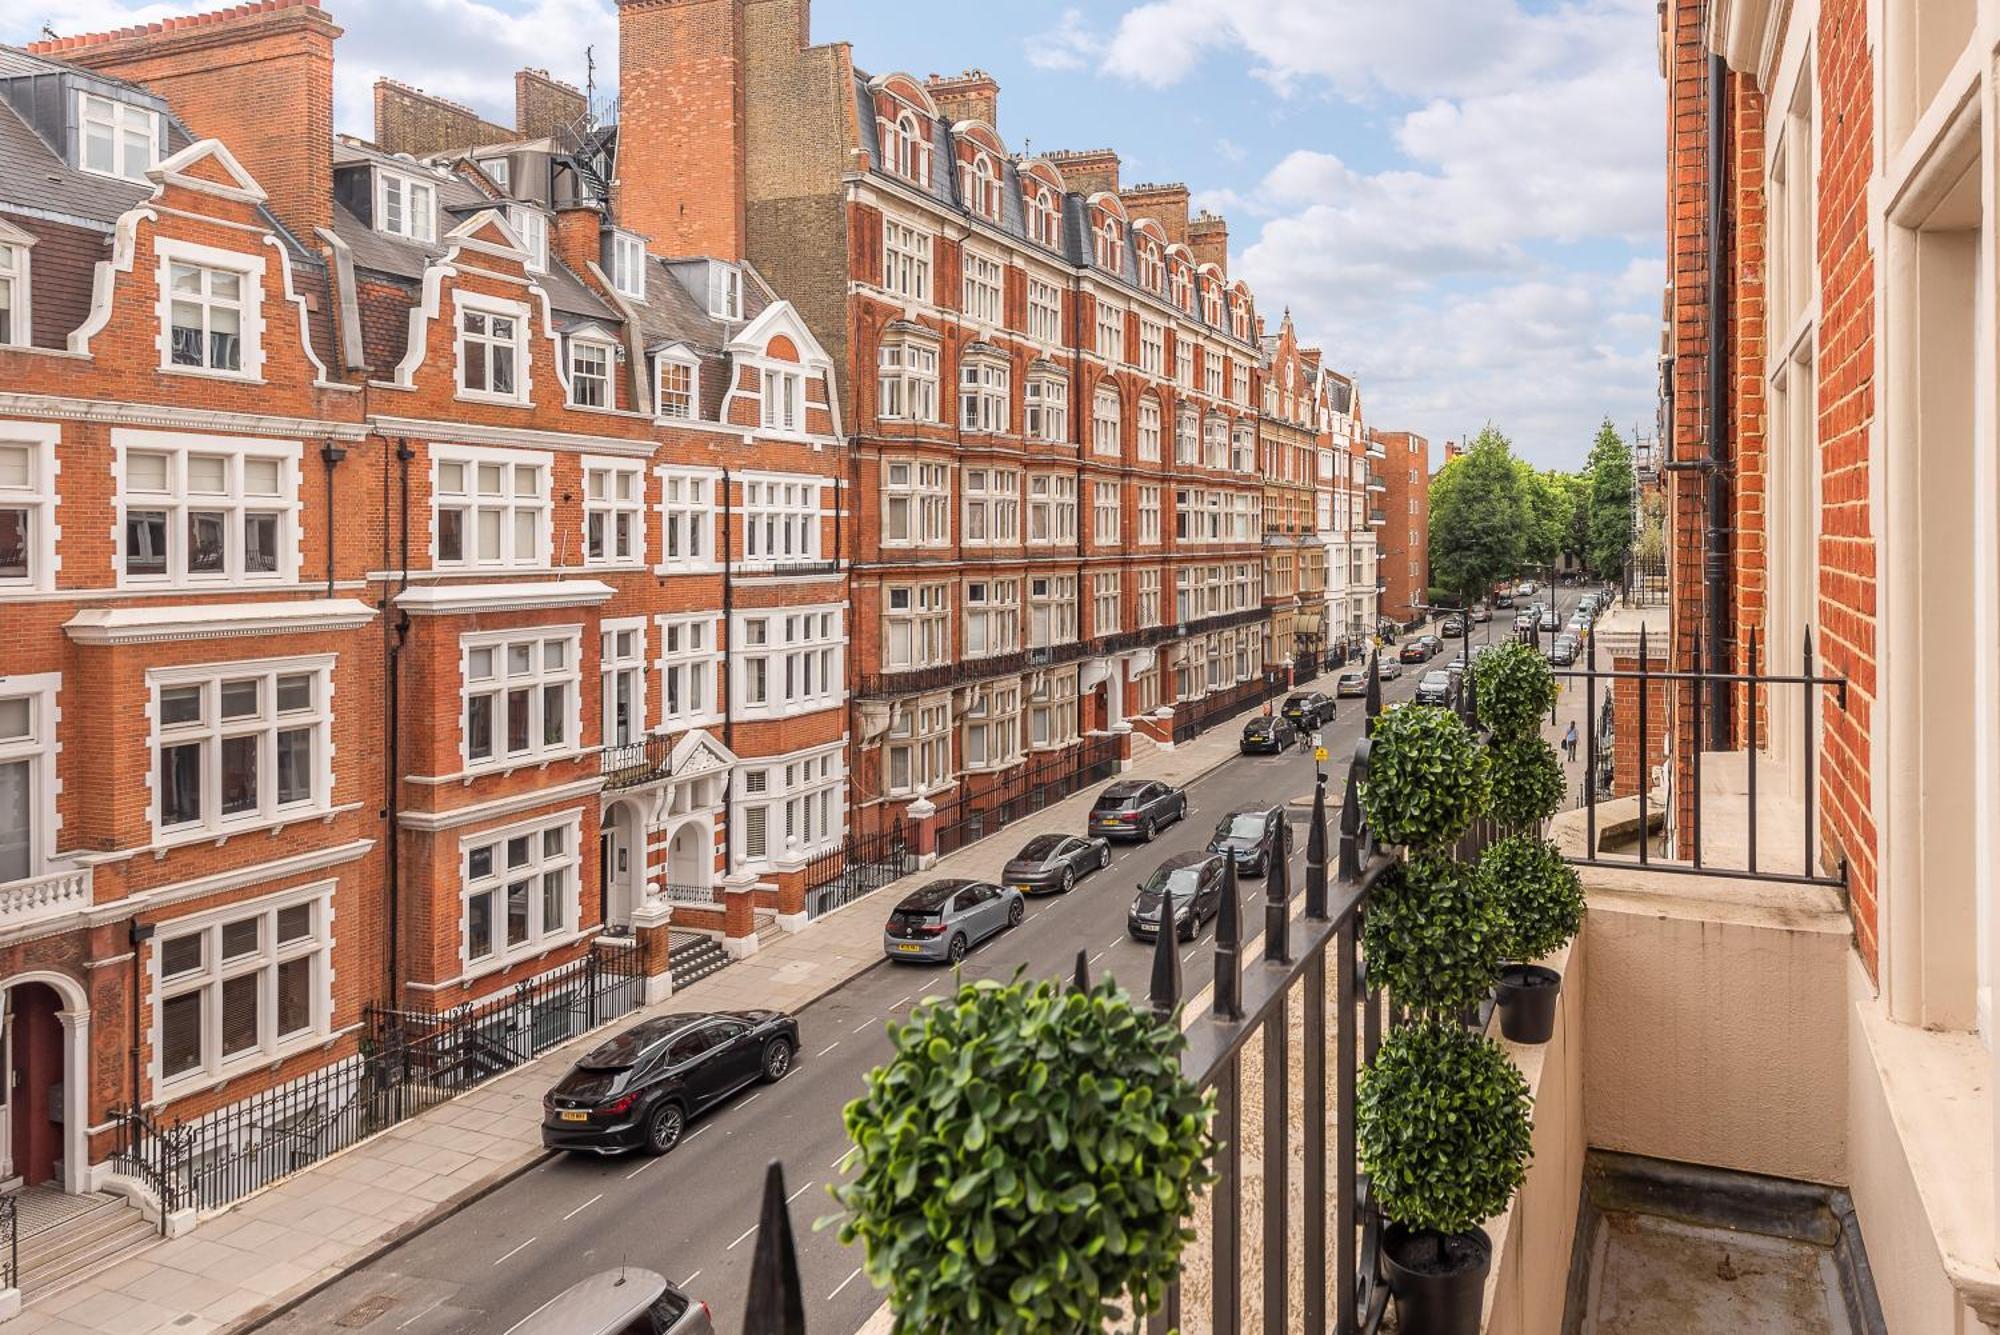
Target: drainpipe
1715,559
329,455
728,683
396,635
139,933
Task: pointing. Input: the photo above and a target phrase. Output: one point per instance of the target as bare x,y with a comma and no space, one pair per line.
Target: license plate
907,948
569,1116
1025,889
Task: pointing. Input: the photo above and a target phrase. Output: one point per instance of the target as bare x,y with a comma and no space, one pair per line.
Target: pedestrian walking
1569,741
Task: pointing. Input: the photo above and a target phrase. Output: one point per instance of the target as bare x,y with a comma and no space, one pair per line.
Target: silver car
944,919
625,1301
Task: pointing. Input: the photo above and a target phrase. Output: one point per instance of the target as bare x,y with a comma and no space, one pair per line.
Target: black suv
1308,709
638,1090
1271,734
1435,688
1136,809
1195,880
1255,836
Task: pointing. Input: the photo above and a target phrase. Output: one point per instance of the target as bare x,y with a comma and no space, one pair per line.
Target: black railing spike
1228,948
1165,992
1278,907
1082,979
1372,701
776,1303
1316,853
1350,827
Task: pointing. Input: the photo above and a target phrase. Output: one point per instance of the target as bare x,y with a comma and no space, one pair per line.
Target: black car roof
1176,861
1042,845
1263,810
1124,788
930,895
626,1048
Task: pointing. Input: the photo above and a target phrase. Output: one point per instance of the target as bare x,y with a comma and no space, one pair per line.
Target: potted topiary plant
1025,1160
1433,936
1539,899
1513,688
1525,779
1426,778
1443,1132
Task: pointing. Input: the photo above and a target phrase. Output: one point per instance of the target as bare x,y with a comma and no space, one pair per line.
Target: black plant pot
1527,998
1438,1279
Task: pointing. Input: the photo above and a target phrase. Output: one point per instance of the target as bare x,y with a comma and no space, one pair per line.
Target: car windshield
1041,847
1118,803
1249,825
908,917
1181,880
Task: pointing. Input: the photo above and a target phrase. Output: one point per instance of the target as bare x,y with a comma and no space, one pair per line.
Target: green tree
1572,492
1547,503
1479,517
1611,483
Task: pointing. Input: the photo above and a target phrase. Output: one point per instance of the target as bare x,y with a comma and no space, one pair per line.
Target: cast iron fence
411,1060
1025,791
1196,718
635,763
1647,714
860,865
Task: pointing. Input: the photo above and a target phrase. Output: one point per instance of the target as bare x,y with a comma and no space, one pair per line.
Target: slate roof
34,175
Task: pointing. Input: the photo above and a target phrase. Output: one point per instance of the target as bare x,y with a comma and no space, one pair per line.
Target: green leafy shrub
1426,778
1433,937
1027,1157
1526,780
1442,1126
1538,894
1514,689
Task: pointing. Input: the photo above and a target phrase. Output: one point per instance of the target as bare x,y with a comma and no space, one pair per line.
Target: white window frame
1106,601
1052,610
1148,601
906,386
919,616
248,306
1110,341
16,280
614,511
498,170
1184,350
519,510
628,265
1045,408
1151,421
415,200
622,653
235,503
689,665
688,508
36,746
1044,312
1109,243
919,743
499,677
33,493
1211,373
916,498
993,726
1044,209
1051,509
604,374
1052,712
985,387
781,400
1152,347
906,260
211,731
981,185
725,291
215,973
984,287
1106,422
465,339
532,226
992,507
540,862
992,616
1107,513
910,152
802,798
803,656
781,518
122,122
1150,514
662,407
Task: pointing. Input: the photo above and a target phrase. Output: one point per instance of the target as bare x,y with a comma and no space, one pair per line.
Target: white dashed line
1098,956
512,1254
845,1155
698,1133
585,1206
894,1005
740,1236
691,1279
843,1284
828,1048
928,986
421,1315
640,1169
863,1025
752,1099
800,1192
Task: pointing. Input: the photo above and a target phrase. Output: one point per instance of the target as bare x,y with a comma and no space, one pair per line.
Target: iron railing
10,1243
637,762
1025,791
860,865
1202,714
411,1060
1668,712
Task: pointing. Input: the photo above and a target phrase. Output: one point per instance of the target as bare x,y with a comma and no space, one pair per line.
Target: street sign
1319,755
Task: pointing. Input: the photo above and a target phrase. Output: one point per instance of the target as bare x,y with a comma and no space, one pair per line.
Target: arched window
1183,295
1104,421
1151,273
1109,247
913,154
982,189
1044,222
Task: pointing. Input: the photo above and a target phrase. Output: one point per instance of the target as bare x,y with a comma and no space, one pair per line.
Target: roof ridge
177,23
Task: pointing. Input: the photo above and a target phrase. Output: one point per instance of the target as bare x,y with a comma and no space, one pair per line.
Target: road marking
845,1155
740,1236
585,1206
863,1025
894,1004
837,1288
1115,940
510,1255
421,1315
828,1048
800,1192
643,1167
691,1279
752,1099
697,1133
1098,956
928,986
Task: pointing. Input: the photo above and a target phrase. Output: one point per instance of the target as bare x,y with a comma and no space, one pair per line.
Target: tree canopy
1479,517
1611,480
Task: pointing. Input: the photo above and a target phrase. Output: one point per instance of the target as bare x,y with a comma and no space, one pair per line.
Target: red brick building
1400,488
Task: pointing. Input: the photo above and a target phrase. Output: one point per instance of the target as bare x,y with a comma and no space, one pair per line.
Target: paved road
691,1214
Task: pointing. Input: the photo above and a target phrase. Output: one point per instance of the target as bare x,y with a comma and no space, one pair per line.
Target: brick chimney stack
1166,204
259,77
681,103
971,96
1208,238
410,120
1086,170
544,104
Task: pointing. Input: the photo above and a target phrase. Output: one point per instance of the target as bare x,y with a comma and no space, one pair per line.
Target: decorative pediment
698,753
489,231
780,319
209,167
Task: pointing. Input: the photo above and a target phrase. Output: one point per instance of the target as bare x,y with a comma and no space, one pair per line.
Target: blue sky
1460,200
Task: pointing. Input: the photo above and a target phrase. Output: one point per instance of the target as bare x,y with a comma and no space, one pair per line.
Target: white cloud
1067,46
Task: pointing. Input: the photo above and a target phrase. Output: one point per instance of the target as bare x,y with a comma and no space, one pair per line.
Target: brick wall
1165,204
681,94
1405,538
1086,170
1208,238
543,104
971,96
409,120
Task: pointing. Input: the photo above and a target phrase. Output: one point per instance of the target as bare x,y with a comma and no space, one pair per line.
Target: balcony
1376,482
1376,518
634,764
42,898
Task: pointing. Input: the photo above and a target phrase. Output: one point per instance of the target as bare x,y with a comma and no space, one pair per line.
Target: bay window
992,507
984,386
1051,508
240,986
907,383
917,754
490,508
1052,712
1046,409
521,696
916,625
916,504
224,514
519,891
790,810
240,744
992,617
993,727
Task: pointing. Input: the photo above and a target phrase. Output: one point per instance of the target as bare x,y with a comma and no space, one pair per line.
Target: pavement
457,1221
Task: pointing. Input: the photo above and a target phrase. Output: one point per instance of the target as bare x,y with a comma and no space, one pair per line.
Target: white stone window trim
178,445
272,1047
17,274
531,225
994,495
417,224
607,350
985,393
628,265
676,356
907,257
776,793
611,506
925,614
925,493
507,458
124,116
538,943
993,713
1045,313
781,399
249,269
781,521
673,510
997,612
610,662
922,732
825,649
669,660
906,386
1045,407
40,748
40,497
1052,710
465,302
214,826
538,752
983,280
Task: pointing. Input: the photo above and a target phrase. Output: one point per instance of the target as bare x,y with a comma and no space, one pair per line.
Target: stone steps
696,957
93,1239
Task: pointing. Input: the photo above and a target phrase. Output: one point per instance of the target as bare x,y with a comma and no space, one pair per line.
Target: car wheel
1149,830
777,1059
1104,857
1017,910
1192,926
1069,879
1263,864
663,1128
956,950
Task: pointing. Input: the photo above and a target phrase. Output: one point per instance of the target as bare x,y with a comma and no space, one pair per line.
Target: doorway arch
44,1051
621,862
691,855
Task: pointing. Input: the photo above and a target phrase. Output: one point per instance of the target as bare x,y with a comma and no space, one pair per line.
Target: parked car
1548,621
1527,589
1435,688
1195,880
1351,686
1136,809
1413,652
1389,669
625,1301
1503,601
1563,652
1452,627
640,1089
1482,614
1054,862
1254,836
1271,734
942,920
1308,709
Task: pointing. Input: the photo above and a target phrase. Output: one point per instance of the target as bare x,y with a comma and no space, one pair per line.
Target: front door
34,1055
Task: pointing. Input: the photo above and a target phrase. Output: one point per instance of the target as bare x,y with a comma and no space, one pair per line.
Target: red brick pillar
739,915
650,925
922,815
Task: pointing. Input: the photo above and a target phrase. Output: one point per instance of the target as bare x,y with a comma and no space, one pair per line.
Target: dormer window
725,291
1239,319
982,188
628,265
1211,305
1044,220
784,400
1151,272
116,138
910,152
677,380
532,226
1110,239
1183,295
405,206
499,171
14,319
